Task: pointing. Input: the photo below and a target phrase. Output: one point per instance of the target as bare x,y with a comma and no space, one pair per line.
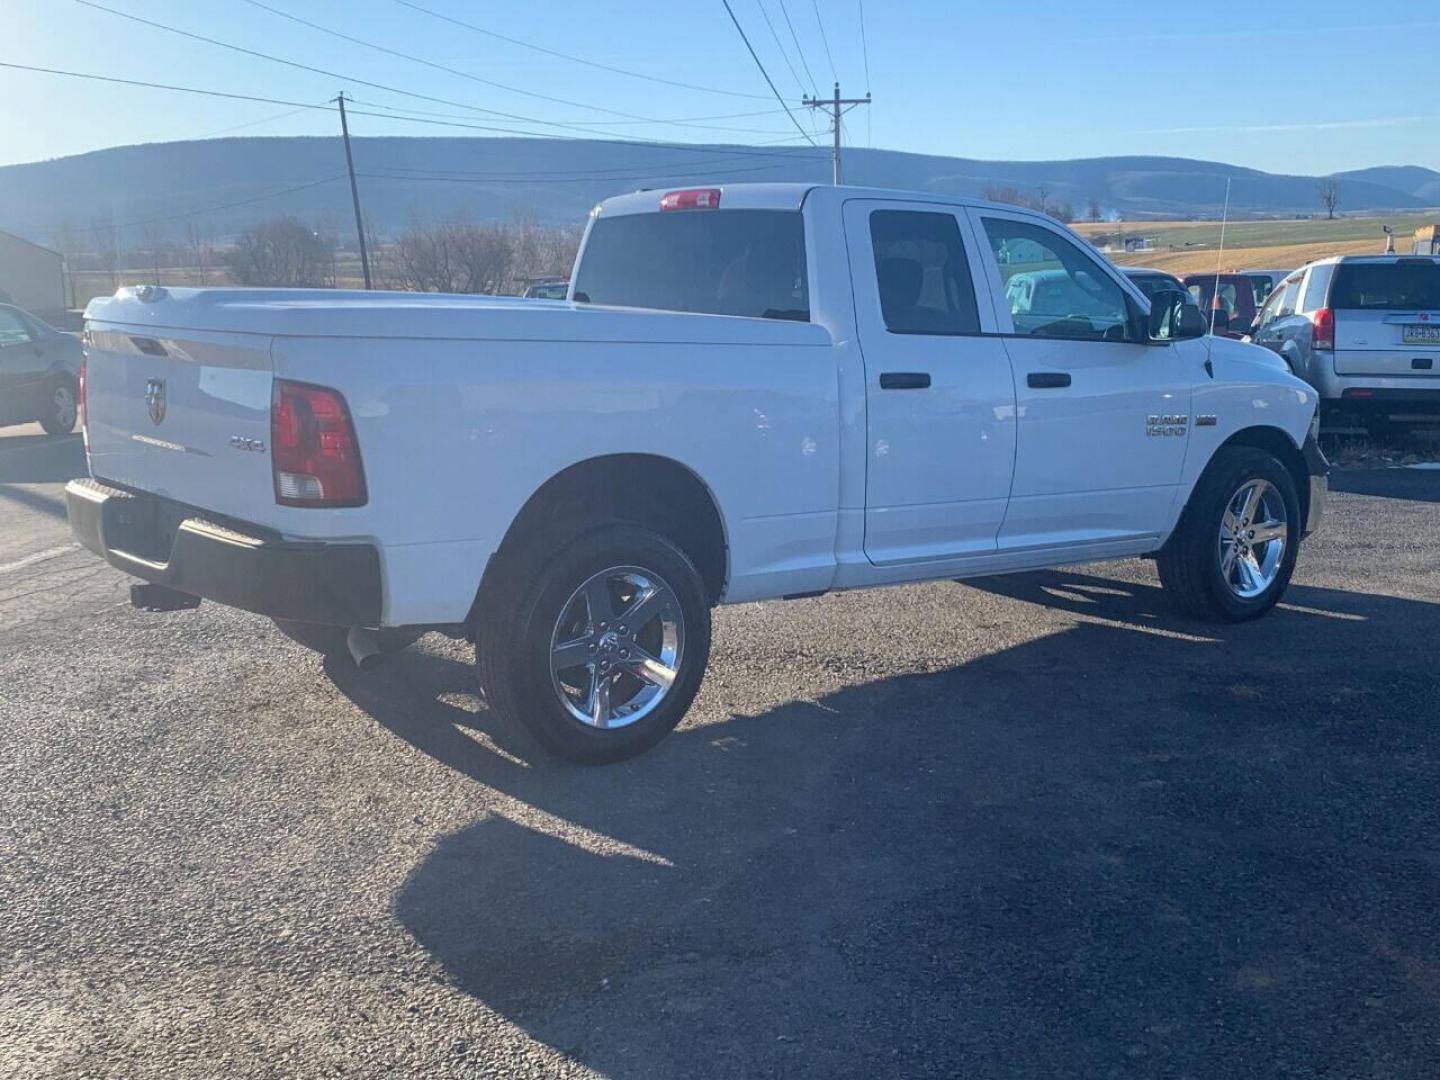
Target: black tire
329,641
518,620
1190,564
60,416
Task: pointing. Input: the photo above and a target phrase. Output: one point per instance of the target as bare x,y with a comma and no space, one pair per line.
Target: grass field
1184,247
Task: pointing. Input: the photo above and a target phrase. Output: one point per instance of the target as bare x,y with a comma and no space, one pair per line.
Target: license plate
1422,335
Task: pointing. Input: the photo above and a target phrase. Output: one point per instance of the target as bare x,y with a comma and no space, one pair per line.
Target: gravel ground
1035,825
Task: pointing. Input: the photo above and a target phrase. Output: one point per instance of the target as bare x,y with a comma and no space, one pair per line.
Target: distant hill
1422,183
236,181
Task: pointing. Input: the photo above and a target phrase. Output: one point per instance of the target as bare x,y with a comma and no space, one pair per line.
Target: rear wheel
596,649
61,410
1234,549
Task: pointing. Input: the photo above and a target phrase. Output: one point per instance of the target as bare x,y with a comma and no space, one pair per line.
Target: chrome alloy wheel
617,647
64,405
1253,534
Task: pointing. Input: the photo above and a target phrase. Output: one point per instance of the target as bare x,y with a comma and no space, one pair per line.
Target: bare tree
106,238
283,251
1042,199
1329,191
199,250
1093,211
154,248
455,256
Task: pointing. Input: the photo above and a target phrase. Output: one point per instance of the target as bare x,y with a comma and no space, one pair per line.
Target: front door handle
1047,380
905,380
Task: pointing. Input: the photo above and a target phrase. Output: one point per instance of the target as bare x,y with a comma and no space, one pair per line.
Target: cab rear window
714,262
1397,286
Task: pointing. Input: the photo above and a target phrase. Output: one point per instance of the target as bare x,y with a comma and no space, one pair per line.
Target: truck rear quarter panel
456,435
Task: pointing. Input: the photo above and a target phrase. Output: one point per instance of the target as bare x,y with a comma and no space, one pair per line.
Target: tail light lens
313,448
1323,334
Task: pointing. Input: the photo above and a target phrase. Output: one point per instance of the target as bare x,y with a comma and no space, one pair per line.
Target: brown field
1184,247
1274,257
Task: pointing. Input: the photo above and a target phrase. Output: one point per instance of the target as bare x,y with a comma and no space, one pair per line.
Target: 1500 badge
1160,426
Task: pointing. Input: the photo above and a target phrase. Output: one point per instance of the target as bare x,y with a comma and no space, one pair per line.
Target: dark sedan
39,372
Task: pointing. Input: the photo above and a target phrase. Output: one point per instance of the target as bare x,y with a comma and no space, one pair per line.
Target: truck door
1103,418
940,399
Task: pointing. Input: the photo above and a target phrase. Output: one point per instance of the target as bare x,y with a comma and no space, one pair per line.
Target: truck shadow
41,459
1138,844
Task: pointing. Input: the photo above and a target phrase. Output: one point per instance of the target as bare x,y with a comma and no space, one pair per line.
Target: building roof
31,243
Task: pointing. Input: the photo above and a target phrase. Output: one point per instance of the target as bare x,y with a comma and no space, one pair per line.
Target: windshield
1402,286
716,262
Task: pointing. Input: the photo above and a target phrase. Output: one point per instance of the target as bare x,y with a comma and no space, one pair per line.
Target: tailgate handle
1047,380
1422,363
904,380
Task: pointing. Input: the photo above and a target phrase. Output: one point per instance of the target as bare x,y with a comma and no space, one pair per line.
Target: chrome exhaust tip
364,648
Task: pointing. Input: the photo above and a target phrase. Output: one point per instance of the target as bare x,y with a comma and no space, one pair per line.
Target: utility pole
354,191
835,107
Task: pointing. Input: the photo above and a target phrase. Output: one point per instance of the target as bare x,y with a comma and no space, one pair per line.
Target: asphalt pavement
1035,825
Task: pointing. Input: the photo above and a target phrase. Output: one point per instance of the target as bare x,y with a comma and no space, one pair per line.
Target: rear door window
922,273
1317,284
1406,285
714,262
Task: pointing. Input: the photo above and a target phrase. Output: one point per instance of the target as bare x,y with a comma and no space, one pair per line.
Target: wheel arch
649,490
1278,442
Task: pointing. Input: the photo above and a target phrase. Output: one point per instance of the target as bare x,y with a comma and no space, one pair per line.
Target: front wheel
1234,549
60,410
597,649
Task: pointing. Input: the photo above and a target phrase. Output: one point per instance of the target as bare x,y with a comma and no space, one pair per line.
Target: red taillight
80,402
313,448
1323,334
705,198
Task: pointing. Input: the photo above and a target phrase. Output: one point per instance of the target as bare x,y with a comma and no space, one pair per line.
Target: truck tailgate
182,413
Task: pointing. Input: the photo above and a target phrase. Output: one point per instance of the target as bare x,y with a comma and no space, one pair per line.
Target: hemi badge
1206,421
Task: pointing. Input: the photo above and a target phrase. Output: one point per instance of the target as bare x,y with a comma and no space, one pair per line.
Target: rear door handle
1047,380
904,380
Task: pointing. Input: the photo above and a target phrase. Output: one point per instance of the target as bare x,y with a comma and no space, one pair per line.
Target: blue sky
1309,87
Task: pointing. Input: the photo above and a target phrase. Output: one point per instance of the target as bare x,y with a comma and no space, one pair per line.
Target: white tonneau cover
430,316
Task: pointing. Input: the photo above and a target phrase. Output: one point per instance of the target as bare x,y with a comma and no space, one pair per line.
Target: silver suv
1364,330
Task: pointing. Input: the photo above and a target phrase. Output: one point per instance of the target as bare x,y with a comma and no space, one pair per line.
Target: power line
645,144
252,123
765,73
825,40
864,46
632,117
779,47
449,178
588,128
365,82
814,86
575,59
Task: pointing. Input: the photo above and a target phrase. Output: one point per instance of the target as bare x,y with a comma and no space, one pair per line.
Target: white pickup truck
752,392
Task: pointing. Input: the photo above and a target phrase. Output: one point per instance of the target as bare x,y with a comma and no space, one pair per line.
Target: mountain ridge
231,182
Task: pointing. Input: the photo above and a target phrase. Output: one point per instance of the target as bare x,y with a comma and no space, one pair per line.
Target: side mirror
1173,317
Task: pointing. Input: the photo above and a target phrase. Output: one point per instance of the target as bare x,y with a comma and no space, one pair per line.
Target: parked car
1364,330
39,372
759,392
1152,281
548,289
1228,300
1264,282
